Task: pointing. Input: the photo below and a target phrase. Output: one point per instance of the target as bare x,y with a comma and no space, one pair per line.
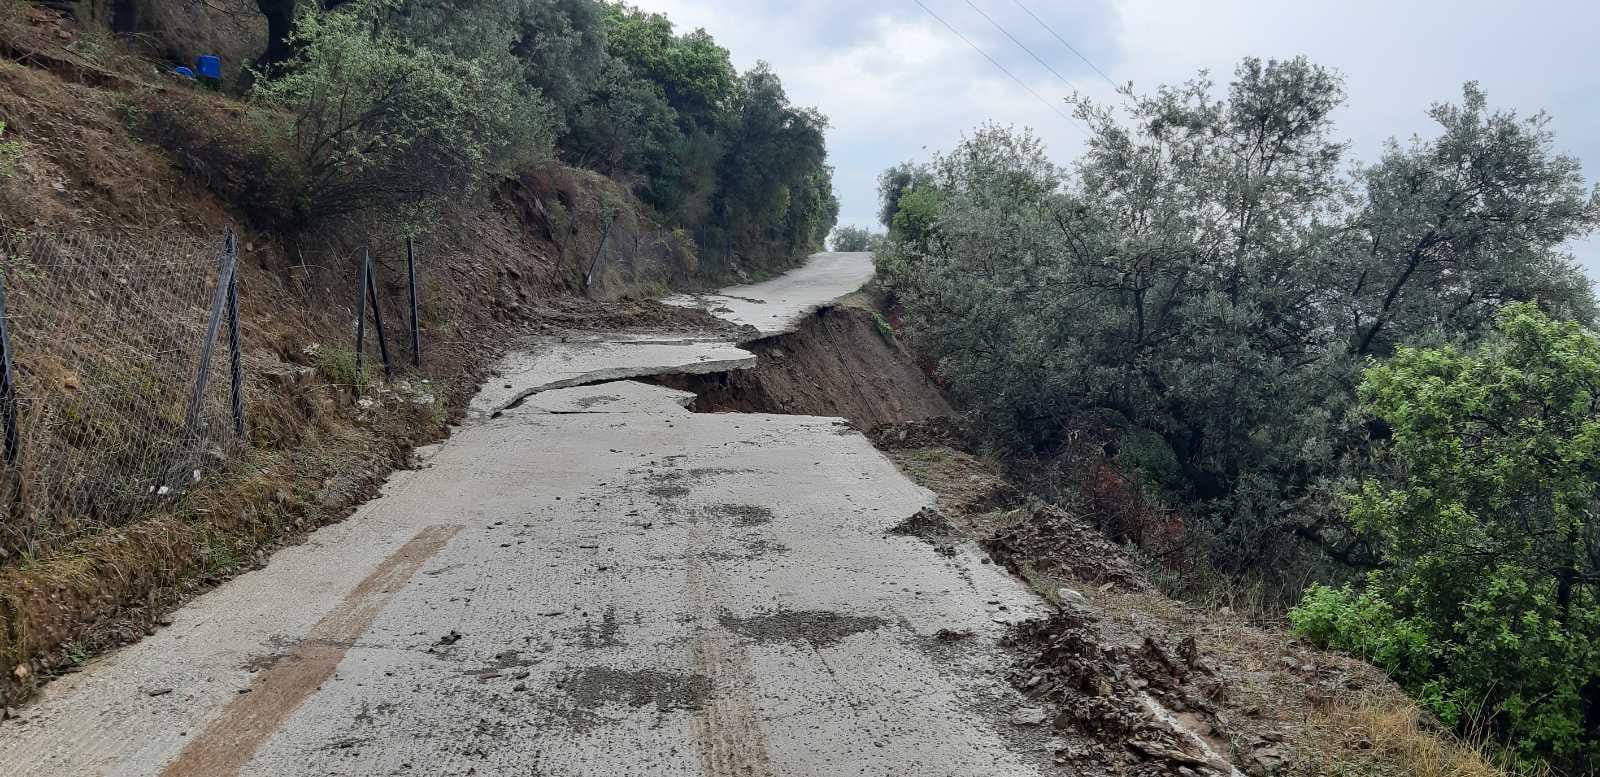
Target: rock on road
586,579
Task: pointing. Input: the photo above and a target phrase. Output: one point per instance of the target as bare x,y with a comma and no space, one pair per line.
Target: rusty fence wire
123,383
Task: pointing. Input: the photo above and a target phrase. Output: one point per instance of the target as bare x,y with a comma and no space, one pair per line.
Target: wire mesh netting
106,339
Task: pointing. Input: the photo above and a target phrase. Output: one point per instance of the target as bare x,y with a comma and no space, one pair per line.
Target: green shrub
853,238
383,124
1365,625
885,328
10,154
1489,607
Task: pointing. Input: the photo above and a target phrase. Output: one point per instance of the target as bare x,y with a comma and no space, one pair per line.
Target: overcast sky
897,84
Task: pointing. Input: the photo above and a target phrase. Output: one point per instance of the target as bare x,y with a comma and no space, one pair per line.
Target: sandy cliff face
839,362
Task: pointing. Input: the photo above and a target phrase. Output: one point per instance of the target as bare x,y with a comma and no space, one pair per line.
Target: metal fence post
361,320
377,322
411,279
235,355
8,384
588,278
191,420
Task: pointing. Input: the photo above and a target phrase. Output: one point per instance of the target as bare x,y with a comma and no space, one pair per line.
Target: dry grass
1387,734
1343,718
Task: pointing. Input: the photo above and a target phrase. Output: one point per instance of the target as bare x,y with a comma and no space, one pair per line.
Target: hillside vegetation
1377,382
391,108
541,155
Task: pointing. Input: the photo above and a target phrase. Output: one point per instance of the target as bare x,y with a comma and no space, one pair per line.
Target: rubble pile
1050,540
1124,700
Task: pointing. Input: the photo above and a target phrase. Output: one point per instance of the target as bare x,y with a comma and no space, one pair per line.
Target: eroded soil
1130,681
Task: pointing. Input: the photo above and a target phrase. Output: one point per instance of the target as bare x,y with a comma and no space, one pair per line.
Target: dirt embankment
839,362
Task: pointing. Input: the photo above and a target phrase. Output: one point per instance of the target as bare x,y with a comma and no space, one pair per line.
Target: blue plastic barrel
209,65
183,71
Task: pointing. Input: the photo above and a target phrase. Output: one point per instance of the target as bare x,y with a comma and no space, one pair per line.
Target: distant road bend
586,579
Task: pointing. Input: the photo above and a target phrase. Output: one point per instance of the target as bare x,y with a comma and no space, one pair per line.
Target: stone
1028,716
1266,762
1068,596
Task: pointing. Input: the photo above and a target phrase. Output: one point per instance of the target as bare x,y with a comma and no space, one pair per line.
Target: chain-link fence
111,411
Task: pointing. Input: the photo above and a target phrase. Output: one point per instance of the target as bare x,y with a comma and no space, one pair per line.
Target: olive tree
1454,227
854,238
1210,272
382,123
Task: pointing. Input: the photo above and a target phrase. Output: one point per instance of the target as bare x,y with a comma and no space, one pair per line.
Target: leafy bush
893,183
10,154
853,238
1211,271
915,216
401,104
1489,528
774,200
1366,625
384,124
885,328
721,153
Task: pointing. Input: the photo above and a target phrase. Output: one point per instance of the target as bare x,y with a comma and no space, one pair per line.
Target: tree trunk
124,16
280,22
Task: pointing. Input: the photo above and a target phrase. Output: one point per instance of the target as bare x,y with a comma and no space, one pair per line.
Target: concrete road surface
590,581
776,305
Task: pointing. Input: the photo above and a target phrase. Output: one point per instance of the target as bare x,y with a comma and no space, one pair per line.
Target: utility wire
996,63
1064,42
1021,45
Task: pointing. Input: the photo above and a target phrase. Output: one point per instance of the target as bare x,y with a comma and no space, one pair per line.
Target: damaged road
588,579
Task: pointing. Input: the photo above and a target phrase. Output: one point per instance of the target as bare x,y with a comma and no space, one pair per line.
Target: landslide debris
1046,539
1127,680
1118,703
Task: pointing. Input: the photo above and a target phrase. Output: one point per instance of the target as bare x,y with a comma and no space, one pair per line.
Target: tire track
729,736
230,741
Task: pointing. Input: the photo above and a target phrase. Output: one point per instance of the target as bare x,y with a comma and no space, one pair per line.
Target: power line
1064,42
993,61
1021,45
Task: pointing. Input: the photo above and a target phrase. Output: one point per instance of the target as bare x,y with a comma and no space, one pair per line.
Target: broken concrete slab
617,397
547,363
776,306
